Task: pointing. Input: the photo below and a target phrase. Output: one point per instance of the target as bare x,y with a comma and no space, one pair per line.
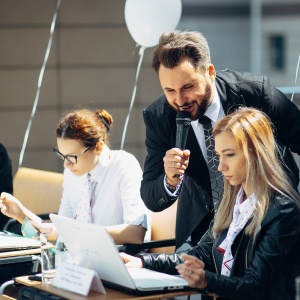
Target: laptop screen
92,247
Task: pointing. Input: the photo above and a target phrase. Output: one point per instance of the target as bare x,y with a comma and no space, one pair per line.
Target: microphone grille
182,117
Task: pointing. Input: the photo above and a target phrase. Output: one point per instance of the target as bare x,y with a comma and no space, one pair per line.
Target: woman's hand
192,270
12,207
48,230
131,261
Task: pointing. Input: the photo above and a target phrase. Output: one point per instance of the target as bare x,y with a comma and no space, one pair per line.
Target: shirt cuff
172,191
27,229
141,220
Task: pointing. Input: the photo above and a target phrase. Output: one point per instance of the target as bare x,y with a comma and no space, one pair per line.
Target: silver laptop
90,246
13,242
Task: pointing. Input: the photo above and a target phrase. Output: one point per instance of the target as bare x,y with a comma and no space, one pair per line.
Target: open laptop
90,246
13,242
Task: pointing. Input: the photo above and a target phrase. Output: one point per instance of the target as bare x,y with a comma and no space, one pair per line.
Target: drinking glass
48,253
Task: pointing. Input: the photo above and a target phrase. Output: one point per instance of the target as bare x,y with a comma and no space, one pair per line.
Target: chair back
40,191
163,227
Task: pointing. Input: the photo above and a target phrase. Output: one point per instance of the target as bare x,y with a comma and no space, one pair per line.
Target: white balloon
146,20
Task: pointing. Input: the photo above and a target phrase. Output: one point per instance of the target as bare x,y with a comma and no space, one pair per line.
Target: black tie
216,178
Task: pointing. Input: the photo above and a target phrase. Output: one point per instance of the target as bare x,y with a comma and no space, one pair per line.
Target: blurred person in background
6,179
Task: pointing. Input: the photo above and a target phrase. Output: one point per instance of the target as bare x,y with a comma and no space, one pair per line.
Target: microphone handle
181,136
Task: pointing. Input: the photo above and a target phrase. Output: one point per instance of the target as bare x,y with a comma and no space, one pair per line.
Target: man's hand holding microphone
176,159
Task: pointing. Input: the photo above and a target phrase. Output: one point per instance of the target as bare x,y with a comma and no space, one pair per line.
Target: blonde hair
253,133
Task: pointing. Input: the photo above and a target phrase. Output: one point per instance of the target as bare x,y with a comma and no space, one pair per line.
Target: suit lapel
231,99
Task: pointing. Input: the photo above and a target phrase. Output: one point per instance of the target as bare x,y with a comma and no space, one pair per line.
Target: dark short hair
175,45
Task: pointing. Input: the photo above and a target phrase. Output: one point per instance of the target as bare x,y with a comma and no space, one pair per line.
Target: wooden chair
40,191
163,229
162,233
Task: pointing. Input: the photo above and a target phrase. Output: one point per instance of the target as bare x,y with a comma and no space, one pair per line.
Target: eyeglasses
70,158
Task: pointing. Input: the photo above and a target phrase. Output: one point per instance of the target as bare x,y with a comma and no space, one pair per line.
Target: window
277,52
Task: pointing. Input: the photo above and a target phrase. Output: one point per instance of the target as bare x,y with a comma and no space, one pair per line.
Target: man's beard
205,103
202,107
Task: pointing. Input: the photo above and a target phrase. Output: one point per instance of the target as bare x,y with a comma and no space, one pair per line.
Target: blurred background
93,63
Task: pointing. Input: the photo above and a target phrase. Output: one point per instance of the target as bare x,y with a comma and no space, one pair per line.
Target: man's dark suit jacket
194,211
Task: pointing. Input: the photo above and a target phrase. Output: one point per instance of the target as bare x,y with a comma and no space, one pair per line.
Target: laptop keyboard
148,278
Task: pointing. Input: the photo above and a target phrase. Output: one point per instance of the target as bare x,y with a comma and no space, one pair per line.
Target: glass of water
48,253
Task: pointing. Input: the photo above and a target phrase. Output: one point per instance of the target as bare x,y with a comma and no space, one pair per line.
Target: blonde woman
251,250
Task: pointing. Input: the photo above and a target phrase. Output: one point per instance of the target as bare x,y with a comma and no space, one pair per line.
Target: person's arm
273,257
13,208
134,211
127,233
167,263
160,163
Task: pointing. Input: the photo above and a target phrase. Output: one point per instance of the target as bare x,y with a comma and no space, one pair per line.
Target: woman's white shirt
117,197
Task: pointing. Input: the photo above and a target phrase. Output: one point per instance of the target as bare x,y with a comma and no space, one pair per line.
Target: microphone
183,122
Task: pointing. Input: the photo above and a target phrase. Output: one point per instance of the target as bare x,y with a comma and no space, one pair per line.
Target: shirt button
161,201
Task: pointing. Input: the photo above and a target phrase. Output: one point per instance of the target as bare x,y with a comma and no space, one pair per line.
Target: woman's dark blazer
263,270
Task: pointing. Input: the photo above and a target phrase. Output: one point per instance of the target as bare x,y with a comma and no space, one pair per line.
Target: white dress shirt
215,112
117,193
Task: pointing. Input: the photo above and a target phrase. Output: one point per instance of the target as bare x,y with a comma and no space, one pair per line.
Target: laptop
91,246
13,242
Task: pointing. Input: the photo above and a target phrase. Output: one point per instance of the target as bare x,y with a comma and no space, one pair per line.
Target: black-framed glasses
72,159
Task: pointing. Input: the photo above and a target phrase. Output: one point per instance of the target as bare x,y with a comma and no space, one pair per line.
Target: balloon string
141,54
36,100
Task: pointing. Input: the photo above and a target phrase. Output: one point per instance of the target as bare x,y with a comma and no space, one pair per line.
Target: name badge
77,279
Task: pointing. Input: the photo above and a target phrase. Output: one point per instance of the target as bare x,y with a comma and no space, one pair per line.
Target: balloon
146,20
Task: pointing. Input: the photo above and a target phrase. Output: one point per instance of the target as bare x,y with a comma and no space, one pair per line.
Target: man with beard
190,83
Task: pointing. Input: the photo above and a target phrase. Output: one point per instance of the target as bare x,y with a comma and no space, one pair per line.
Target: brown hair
87,126
176,45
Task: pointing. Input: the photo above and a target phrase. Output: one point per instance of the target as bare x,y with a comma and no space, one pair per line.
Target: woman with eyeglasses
100,185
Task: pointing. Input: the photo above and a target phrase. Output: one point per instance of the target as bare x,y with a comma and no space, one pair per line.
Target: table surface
110,293
20,252
5,297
